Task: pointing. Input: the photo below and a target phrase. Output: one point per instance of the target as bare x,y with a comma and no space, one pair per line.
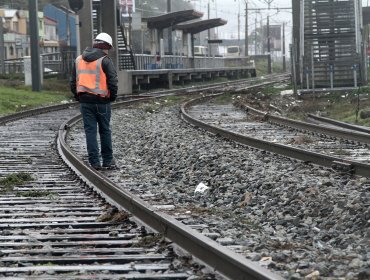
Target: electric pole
169,29
246,28
35,49
255,35
269,70
263,50
284,59
209,30
238,22
2,58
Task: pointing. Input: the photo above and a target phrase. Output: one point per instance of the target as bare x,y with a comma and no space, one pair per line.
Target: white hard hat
105,38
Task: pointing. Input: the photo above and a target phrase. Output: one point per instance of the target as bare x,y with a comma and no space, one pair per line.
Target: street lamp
76,5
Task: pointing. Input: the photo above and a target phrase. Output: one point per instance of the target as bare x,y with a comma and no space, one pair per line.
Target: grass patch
16,97
16,179
36,193
149,241
156,106
261,67
302,139
344,107
7,184
247,222
6,189
174,99
342,152
12,76
223,99
178,85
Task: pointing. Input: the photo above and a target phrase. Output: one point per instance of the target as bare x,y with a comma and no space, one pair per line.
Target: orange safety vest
90,77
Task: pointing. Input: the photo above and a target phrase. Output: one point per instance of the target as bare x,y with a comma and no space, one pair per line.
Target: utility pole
284,59
263,50
76,6
2,58
68,40
268,37
255,35
169,29
84,21
268,41
246,29
78,44
239,27
209,30
35,48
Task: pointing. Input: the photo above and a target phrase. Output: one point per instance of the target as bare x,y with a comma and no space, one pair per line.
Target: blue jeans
97,115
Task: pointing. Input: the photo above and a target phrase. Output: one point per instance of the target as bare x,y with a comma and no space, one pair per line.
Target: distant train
232,51
200,51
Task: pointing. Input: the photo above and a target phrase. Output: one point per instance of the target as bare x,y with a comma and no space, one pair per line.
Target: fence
147,62
62,62
50,63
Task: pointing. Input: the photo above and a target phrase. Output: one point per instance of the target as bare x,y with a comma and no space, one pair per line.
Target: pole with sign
77,5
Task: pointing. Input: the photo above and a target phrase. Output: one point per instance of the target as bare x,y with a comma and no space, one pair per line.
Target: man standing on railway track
94,84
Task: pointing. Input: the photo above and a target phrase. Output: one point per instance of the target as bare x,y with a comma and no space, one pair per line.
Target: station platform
131,81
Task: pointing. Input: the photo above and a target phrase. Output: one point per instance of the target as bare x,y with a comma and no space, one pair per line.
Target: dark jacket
92,54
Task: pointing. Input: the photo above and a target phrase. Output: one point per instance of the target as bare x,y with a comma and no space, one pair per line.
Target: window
11,50
15,26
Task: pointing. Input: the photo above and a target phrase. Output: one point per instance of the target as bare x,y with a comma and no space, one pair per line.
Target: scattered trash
286,92
316,229
313,275
201,188
164,207
247,199
265,261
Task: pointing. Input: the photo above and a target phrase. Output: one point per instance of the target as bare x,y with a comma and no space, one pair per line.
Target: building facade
16,33
66,32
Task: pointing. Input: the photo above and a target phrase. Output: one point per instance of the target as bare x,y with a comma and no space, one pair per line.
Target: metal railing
51,62
61,62
147,62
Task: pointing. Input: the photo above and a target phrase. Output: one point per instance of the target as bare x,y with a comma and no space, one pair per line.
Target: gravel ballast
296,219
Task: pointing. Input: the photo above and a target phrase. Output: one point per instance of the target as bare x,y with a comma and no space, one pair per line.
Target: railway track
66,267
287,215
55,227
343,149
69,222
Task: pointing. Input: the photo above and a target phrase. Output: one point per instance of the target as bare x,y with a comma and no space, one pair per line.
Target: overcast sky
229,10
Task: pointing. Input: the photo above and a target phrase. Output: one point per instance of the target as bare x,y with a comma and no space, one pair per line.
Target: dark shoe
96,167
110,166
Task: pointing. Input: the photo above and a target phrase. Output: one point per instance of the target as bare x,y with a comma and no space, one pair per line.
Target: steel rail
332,131
221,259
32,112
292,152
340,124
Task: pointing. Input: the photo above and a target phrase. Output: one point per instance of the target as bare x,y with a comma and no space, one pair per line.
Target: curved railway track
343,149
68,222
57,225
288,215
